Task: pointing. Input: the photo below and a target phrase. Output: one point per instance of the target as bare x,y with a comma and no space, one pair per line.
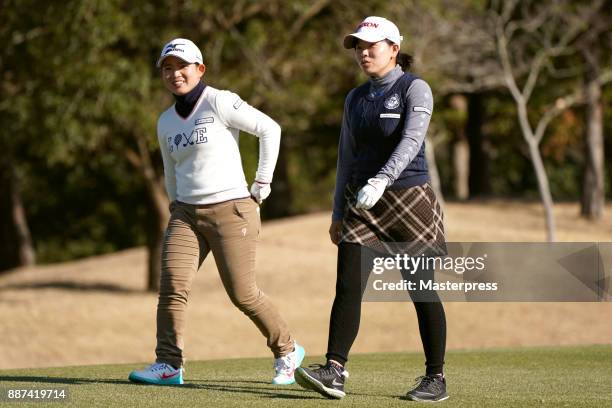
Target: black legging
346,311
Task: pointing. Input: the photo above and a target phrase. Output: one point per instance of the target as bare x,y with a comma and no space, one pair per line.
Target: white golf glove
371,193
260,191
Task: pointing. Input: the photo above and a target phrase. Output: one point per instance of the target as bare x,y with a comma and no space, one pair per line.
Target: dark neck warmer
185,103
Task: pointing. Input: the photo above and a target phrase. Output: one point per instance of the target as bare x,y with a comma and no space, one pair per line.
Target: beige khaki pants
230,230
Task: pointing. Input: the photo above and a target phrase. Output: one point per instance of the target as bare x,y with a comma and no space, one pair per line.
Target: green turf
522,377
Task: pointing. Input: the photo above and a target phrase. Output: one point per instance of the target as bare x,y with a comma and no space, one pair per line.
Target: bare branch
534,73
561,104
240,13
566,102
502,49
133,158
557,73
256,60
266,66
310,13
508,9
529,26
477,84
561,47
296,28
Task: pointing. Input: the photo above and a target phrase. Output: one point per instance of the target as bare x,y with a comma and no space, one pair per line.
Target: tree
16,247
593,45
99,97
455,52
593,194
461,148
532,34
73,70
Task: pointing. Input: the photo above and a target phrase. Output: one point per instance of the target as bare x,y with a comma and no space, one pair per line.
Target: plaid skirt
404,221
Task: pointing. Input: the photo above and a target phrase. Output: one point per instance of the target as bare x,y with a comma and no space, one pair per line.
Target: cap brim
171,54
351,39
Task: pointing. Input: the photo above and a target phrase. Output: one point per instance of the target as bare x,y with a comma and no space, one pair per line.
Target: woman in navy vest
383,204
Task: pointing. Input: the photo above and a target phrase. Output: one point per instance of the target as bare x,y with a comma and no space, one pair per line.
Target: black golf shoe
328,380
432,388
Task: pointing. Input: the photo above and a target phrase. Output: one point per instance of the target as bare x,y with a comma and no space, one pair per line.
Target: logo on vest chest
392,102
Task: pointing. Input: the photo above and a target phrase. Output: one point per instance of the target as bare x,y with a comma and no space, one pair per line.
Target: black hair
403,60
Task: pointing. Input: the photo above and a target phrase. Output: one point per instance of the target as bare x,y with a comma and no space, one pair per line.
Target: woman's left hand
369,195
260,191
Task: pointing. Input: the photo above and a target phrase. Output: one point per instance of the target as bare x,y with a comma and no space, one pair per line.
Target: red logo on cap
368,24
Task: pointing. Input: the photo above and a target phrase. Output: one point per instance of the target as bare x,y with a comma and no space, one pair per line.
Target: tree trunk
430,156
461,149
16,248
480,178
279,203
544,188
157,210
461,167
155,237
592,203
540,170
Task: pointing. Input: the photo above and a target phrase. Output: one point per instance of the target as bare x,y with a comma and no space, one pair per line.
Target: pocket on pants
241,209
248,210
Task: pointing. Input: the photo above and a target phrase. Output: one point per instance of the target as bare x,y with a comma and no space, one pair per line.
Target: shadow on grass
75,286
263,390
58,380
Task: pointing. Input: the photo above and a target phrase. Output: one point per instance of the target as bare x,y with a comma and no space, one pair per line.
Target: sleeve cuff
385,177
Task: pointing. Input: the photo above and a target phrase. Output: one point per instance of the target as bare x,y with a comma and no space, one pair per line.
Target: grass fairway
522,377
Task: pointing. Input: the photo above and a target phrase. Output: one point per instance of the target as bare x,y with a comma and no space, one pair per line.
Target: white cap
183,49
374,29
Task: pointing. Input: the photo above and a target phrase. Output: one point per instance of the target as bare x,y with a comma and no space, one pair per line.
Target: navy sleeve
346,159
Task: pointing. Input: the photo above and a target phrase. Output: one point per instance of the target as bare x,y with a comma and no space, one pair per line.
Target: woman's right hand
334,231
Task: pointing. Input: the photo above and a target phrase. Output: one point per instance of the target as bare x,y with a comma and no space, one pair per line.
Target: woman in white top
211,209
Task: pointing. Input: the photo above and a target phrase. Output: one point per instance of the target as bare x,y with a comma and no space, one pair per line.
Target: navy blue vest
376,124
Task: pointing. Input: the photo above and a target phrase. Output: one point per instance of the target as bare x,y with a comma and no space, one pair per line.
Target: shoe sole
313,384
139,380
413,398
283,383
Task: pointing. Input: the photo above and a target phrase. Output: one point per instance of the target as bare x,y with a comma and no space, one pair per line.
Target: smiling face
377,58
180,77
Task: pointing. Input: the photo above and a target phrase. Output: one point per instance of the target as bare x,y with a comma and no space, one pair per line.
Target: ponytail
404,61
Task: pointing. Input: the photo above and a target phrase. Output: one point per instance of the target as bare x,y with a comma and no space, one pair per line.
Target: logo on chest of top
179,140
392,102
201,121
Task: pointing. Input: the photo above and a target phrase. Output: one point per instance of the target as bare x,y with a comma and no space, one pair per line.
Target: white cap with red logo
374,29
183,49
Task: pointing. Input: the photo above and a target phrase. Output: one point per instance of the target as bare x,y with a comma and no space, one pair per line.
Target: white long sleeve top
202,163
